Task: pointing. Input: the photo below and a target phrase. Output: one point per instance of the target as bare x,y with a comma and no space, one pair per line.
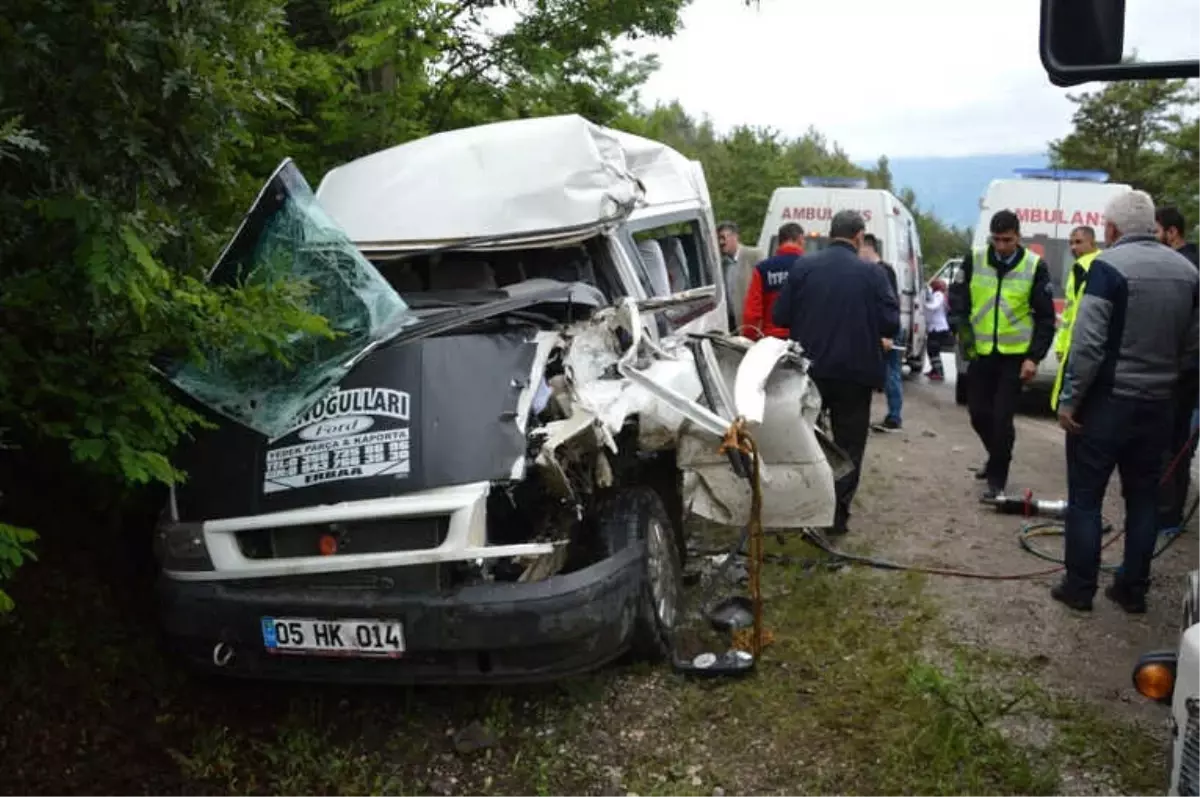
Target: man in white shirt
738,263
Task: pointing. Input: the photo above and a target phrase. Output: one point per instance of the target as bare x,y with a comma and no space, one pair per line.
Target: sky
905,78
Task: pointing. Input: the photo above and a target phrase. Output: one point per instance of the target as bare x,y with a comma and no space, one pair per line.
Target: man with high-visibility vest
1002,304
1083,247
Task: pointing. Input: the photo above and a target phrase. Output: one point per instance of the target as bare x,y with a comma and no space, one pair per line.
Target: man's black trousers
1173,495
849,406
993,390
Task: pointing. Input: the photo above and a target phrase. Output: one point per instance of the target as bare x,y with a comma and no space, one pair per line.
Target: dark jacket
839,308
1136,327
890,274
1189,251
1041,301
1193,253
767,279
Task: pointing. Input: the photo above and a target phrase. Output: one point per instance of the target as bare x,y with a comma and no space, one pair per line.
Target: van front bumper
481,633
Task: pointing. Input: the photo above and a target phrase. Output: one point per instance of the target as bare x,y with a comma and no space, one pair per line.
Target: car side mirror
1083,40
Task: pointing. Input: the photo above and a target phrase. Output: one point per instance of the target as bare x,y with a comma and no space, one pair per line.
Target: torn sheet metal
797,478
750,387
663,388
593,364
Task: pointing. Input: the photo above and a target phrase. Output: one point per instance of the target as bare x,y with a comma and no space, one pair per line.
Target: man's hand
1066,419
887,344
1028,370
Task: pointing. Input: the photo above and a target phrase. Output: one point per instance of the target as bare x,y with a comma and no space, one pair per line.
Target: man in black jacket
839,309
1171,230
1170,227
1005,308
893,380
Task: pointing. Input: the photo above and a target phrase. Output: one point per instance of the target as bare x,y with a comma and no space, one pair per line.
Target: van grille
1189,767
384,535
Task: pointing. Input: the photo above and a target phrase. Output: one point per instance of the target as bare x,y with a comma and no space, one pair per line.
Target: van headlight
180,547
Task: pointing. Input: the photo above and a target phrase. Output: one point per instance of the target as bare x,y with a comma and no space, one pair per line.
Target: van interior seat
462,275
676,262
656,266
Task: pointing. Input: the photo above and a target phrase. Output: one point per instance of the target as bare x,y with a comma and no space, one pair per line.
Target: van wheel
630,515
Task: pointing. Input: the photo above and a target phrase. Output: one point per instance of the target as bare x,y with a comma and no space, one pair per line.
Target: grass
861,692
845,703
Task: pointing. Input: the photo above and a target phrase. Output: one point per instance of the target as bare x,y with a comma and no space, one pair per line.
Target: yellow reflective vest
1062,340
1001,314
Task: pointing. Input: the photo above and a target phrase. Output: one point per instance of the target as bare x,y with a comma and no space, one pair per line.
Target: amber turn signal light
327,545
1154,676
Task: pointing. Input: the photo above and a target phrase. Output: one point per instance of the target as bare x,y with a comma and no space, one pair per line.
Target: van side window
684,259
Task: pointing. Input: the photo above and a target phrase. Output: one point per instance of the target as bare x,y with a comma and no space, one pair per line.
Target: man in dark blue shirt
839,309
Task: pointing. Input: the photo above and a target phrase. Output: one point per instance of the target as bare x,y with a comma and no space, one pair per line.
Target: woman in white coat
939,328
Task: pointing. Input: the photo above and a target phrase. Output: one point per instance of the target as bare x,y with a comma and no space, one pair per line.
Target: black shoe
886,425
1072,600
1120,595
992,492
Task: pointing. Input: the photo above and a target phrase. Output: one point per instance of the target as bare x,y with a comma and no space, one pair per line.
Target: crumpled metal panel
797,478
667,396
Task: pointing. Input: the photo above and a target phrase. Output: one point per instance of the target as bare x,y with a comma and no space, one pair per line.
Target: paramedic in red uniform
838,308
768,277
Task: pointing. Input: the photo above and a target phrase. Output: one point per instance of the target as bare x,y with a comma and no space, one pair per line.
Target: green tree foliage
121,182
134,134
1142,132
1180,167
938,241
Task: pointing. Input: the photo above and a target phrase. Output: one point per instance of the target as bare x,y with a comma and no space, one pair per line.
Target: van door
896,242
912,269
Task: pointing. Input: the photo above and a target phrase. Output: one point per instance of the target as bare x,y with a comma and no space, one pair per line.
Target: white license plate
332,637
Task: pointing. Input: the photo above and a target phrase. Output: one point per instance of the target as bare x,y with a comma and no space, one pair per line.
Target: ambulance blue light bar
1082,175
833,182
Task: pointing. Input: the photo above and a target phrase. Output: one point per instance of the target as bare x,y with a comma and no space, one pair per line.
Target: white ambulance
812,205
1049,204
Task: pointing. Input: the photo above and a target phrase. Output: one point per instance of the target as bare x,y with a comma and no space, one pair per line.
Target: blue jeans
892,379
1129,435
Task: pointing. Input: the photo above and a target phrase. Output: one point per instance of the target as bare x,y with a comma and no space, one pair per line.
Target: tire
636,514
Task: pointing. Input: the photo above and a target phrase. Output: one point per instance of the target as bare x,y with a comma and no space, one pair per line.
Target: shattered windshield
288,236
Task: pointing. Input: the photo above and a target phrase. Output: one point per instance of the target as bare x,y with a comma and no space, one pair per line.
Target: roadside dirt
920,504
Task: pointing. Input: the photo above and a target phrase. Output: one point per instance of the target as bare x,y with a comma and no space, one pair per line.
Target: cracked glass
288,236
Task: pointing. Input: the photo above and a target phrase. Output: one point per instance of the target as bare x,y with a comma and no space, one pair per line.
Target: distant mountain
951,187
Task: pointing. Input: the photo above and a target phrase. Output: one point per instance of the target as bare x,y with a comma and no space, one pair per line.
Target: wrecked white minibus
484,477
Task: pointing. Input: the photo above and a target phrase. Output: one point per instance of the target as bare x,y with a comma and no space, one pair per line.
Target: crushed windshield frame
288,237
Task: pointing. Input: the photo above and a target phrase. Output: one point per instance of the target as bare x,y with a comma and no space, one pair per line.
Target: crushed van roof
522,178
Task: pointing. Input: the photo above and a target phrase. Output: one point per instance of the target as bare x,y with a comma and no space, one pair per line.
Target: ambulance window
815,243
1056,253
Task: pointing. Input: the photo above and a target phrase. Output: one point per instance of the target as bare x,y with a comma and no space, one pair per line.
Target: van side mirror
1083,40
